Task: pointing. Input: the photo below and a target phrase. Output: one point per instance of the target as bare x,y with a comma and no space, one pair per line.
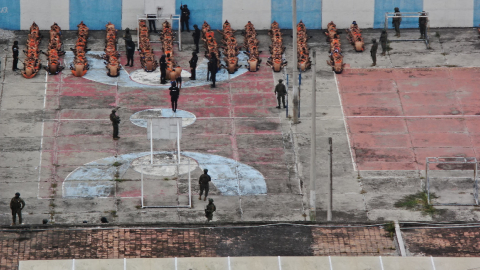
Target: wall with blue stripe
203,10
309,11
382,6
10,14
19,14
95,13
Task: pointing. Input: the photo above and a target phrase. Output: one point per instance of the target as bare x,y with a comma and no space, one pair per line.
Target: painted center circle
153,78
140,118
164,165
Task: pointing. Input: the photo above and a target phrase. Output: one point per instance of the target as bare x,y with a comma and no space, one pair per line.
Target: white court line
433,264
41,136
279,263
345,122
412,116
381,262
229,266
330,261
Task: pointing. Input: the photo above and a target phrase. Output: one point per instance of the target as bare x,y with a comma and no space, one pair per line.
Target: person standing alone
396,21
383,42
184,17
115,121
212,69
130,51
281,91
422,23
373,52
174,94
196,37
15,55
17,204
204,181
193,65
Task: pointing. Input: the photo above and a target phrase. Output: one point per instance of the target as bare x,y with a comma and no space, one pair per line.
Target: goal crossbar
453,160
170,18
410,15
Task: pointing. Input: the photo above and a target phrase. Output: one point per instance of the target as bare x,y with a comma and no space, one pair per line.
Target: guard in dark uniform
373,52
174,94
281,91
115,121
396,21
422,24
383,42
213,68
209,210
204,181
16,205
163,70
15,55
193,65
130,51
151,22
184,17
196,37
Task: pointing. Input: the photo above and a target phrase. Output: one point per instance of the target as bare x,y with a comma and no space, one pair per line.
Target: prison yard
374,151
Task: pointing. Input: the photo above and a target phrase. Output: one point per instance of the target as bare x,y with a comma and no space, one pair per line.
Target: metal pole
179,36
142,188
313,155
294,61
178,142
329,204
189,186
151,141
286,111
299,92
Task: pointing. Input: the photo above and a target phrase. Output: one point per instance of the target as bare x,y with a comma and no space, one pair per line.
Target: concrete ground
50,126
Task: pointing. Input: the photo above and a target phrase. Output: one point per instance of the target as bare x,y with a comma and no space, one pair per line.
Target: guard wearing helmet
209,210
396,21
17,204
204,181
115,121
422,23
281,91
373,52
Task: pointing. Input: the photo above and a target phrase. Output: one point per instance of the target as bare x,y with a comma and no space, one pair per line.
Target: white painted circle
153,78
140,118
164,165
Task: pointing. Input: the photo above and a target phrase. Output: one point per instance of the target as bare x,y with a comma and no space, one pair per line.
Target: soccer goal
454,179
159,20
417,15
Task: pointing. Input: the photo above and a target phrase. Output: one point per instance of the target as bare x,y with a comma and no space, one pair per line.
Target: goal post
172,19
454,164
389,15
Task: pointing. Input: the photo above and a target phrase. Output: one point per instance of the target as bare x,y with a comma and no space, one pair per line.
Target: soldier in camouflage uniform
396,21
383,42
209,210
17,204
373,52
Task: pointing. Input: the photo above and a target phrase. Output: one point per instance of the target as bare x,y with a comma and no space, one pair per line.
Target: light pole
294,62
313,139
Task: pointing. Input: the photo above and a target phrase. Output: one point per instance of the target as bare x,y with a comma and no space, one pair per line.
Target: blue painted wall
309,11
10,14
382,6
96,13
476,13
203,10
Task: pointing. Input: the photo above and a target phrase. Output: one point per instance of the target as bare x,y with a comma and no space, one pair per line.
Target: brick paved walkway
281,240
447,242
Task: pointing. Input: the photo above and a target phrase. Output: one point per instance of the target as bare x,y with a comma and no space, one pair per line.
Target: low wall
19,14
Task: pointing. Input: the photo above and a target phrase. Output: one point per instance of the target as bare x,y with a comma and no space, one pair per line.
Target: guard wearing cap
17,204
193,66
422,24
204,181
280,91
174,94
396,21
209,210
373,52
115,121
184,17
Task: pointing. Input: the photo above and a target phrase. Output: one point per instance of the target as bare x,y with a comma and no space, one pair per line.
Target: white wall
239,12
130,10
344,12
448,13
44,13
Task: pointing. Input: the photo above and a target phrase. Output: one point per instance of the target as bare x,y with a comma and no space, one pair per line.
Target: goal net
410,19
453,180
